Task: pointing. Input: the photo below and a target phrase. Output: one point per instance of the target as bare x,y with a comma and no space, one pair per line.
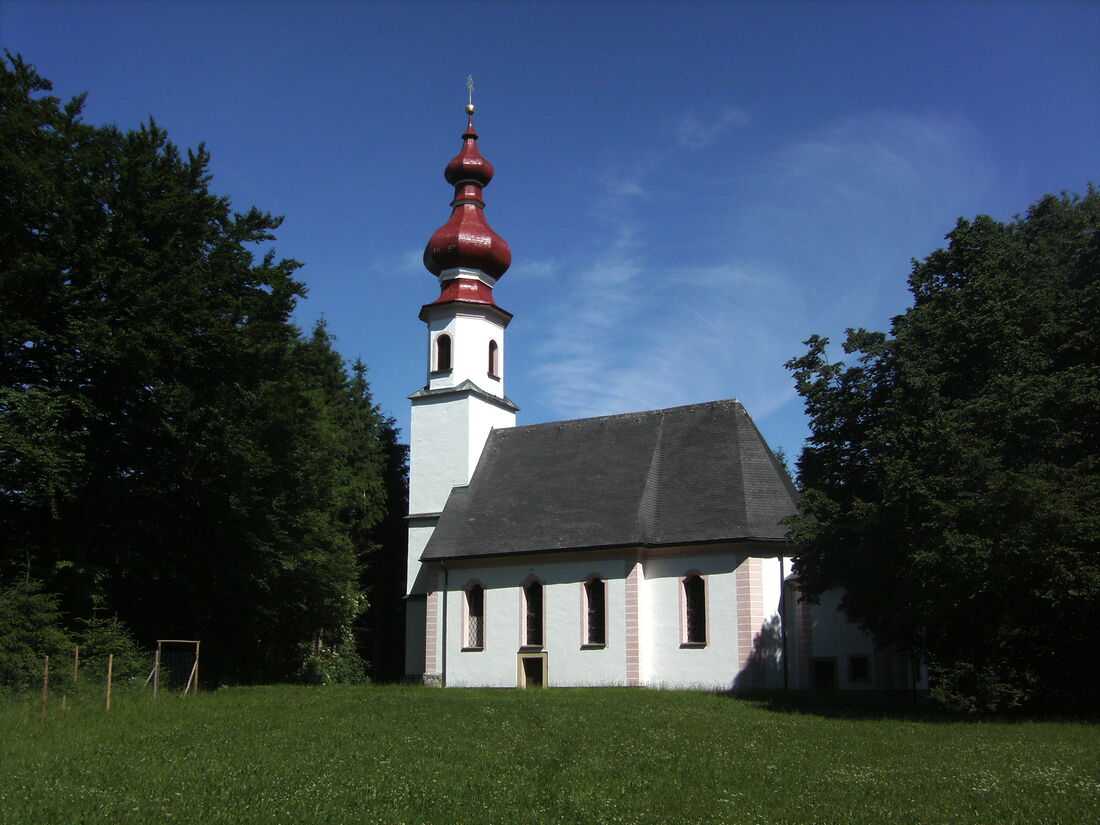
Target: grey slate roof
683,475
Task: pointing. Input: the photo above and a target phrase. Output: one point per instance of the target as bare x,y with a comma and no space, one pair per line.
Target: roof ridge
650,499
637,414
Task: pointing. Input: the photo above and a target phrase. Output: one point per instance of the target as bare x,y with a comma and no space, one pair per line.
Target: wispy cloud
694,131
854,202
535,271
412,260
820,236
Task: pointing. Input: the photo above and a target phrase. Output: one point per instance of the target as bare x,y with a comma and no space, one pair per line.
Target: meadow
285,754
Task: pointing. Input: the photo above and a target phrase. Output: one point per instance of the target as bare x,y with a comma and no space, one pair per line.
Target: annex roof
683,475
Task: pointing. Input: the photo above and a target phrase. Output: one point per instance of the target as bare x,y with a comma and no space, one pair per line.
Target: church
644,549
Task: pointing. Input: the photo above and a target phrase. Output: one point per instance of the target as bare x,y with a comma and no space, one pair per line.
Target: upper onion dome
467,240
468,164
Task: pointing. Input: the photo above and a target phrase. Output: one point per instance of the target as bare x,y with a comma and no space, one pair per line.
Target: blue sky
689,189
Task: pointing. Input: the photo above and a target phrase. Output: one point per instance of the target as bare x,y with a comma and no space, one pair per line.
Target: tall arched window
595,611
532,610
474,632
493,368
443,353
695,610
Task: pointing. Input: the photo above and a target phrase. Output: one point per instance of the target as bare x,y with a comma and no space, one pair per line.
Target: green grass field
416,755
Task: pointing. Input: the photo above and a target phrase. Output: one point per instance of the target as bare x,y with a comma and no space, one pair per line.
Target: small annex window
694,610
532,614
595,612
474,631
859,669
443,353
494,360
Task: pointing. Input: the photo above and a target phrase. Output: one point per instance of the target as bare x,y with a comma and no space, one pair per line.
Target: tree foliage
170,443
30,628
101,636
952,476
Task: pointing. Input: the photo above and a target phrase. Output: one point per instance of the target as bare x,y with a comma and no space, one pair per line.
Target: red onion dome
467,240
468,164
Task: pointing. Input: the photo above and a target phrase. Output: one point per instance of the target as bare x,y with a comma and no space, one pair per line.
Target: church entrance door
532,670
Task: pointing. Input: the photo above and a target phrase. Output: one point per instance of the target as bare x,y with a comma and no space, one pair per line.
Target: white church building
636,549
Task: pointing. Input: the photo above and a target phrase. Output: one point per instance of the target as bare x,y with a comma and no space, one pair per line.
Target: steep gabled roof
683,475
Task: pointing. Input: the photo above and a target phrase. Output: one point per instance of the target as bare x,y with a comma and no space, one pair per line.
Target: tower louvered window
443,353
494,369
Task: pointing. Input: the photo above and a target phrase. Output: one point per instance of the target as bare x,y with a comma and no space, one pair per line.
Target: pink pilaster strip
633,663
750,619
431,627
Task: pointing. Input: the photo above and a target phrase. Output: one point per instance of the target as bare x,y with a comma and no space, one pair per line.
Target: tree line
174,451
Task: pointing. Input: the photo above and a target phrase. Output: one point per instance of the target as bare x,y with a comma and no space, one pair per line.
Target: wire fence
65,679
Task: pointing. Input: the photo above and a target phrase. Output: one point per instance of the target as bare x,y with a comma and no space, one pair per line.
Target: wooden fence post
45,686
76,663
110,672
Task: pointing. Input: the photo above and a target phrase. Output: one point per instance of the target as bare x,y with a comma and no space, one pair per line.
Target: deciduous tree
952,475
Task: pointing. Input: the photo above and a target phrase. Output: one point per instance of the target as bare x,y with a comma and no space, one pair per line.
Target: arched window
695,610
443,353
493,368
595,611
474,632
532,611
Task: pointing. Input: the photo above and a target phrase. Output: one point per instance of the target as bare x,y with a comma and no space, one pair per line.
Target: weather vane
470,93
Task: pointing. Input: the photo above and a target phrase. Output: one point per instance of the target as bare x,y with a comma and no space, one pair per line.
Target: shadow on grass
865,705
900,706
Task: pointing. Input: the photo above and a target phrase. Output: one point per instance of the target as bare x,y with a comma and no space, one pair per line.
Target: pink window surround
532,617
593,615
633,645
749,584
473,616
700,613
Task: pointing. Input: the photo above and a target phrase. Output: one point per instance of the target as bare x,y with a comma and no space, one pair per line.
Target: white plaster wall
715,666
420,530
438,453
567,663
773,570
447,437
835,637
482,419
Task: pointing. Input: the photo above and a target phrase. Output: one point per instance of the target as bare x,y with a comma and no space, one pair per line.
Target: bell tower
463,398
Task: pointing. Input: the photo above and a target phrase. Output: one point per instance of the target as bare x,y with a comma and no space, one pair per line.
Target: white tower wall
452,417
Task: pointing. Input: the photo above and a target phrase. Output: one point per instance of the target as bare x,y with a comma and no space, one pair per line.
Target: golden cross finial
470,93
